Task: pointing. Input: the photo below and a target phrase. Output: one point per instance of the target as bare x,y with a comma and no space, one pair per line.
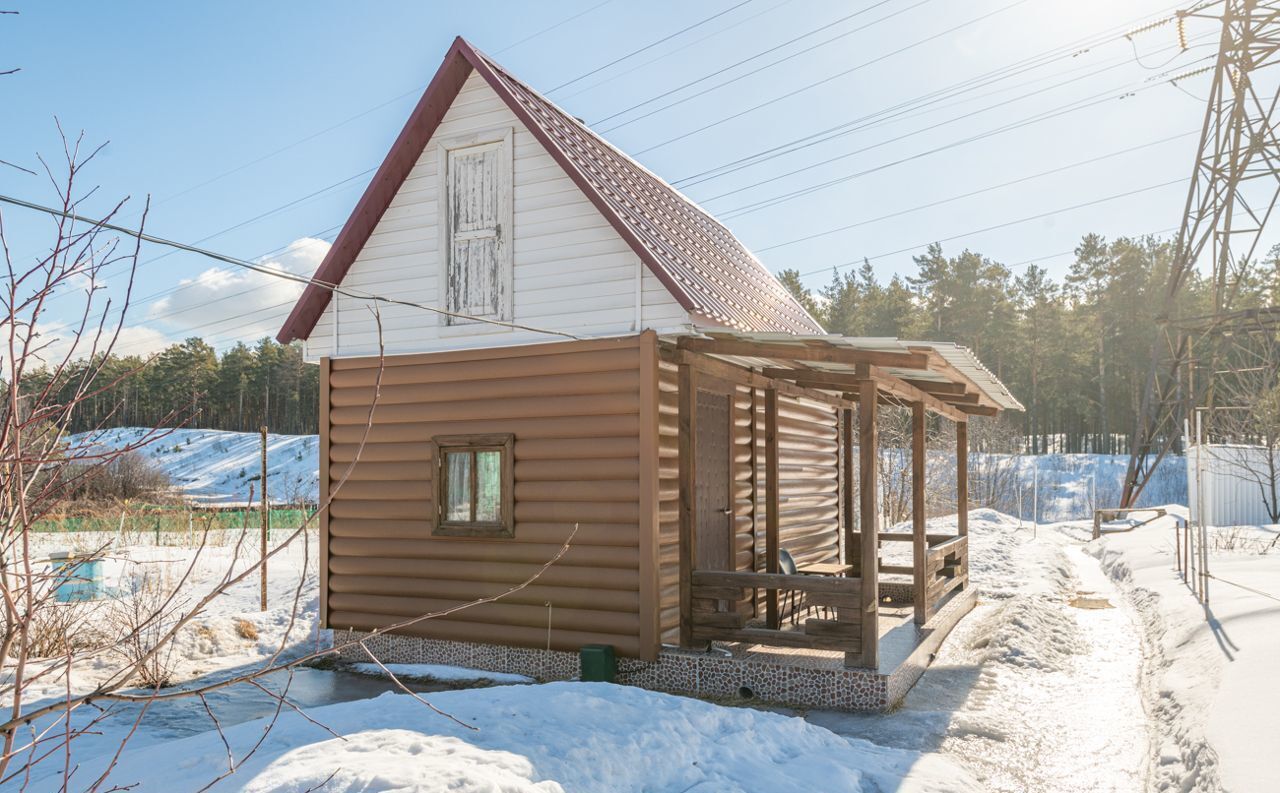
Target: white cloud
225,304
57,338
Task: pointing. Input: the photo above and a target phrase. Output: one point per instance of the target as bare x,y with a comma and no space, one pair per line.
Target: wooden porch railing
946,565
711,620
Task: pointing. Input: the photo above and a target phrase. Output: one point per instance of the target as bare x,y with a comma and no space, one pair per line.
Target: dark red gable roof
703,265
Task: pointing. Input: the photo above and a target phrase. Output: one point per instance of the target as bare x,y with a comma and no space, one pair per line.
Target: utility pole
1234,188
266,517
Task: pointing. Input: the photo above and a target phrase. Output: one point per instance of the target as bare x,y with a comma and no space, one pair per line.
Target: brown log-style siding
575,411
808,487
808,480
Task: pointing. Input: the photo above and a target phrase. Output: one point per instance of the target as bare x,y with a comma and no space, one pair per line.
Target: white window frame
444,246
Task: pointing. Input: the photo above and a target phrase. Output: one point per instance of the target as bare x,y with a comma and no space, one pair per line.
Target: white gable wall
572,272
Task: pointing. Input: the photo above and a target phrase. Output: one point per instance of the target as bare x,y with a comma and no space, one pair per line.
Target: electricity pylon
1234,189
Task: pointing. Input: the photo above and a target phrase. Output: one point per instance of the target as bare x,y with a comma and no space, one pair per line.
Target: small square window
474,496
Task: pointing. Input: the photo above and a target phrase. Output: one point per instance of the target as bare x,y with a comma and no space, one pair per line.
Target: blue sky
223,112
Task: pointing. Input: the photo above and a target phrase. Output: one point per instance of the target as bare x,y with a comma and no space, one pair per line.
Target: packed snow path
1037,689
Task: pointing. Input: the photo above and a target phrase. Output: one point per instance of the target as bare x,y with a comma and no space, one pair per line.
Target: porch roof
941,372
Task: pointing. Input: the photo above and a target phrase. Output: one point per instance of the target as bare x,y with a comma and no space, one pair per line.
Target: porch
837,607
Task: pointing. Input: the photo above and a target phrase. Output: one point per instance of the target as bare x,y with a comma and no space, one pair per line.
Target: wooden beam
326,375
978,410
737,374
754,474
869,528
772,506
846,456
962,478
935,387
918,542
827,353
942,366
688,426
909,393
650,633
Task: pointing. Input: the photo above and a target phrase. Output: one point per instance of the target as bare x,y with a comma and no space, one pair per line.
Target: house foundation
792,678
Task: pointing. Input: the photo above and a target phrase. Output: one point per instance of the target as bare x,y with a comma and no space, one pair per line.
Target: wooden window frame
503,137
503,443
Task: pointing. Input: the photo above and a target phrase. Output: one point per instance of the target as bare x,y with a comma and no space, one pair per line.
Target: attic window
474,481
475,221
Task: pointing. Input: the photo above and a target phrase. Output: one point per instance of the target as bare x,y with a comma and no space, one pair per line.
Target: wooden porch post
919,547
962,477
771,510
846,458
869,566
688,426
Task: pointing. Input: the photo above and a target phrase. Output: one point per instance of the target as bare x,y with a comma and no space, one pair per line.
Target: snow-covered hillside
218,467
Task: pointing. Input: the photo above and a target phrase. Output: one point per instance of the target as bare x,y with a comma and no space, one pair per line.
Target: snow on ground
1085,666
1028,692
552,737
218,467
1210,677
230,635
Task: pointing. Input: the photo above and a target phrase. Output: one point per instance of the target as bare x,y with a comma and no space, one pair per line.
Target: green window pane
457,497
488,486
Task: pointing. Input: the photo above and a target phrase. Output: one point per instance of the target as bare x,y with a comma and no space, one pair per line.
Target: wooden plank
851,601
962,478
688,477
801,583
718,619
918,543
754,474
325,374
846,471
650,587
747,377
778,638
823,352
772,507
821,627
715,593
870,529
898,569
898,387
936,388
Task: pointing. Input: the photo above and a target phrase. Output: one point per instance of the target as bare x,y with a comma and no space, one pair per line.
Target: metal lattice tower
1234,189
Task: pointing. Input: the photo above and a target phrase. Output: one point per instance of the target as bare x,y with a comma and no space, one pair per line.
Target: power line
950,120
835,76
1006,224
973,193
555,26
1068,51
650,45
1083,104
674,50
744,75
333,288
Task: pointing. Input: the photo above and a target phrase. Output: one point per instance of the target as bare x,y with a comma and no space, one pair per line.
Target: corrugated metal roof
959,364
714,273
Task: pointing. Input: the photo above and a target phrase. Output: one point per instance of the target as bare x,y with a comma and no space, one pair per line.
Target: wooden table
824,568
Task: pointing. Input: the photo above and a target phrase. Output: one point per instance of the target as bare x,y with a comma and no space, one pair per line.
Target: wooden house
564,340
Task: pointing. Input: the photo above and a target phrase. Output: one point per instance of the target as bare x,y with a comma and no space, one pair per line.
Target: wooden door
713,513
